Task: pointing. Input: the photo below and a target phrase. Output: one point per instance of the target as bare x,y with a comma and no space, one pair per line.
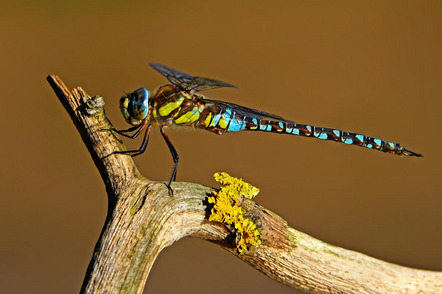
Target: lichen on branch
228,211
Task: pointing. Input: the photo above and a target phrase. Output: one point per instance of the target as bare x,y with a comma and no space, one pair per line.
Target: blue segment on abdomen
227,114
320,133
236,125
360,137
322,136
265,127
288,129
295,131
348,141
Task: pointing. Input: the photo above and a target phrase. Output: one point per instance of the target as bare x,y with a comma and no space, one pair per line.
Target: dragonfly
180,104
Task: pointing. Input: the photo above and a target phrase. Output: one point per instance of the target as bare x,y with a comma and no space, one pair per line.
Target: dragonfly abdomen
185,109
253,124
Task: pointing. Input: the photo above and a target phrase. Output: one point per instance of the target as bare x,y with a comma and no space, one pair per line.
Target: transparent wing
245,111
187,82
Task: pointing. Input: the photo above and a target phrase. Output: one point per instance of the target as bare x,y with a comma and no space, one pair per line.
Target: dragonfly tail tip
412,153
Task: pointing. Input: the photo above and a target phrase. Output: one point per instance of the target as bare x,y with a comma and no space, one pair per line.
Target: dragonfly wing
187,82
176,77
202,84
245,111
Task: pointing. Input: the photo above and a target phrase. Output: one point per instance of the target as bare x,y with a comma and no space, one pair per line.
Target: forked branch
143,219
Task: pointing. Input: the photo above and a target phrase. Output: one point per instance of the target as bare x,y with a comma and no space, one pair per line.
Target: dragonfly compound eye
135,106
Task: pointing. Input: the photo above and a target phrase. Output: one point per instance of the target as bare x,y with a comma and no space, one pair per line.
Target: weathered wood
143,219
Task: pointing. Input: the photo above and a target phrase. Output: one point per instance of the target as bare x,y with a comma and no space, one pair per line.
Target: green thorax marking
177,106
170,106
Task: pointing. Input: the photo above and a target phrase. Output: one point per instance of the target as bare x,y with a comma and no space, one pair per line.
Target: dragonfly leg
122,132
143,144
175,158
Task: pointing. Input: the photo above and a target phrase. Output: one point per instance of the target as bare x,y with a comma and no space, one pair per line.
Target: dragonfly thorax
135,106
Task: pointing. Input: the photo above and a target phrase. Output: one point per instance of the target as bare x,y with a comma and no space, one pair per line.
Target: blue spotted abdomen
332,135
228,120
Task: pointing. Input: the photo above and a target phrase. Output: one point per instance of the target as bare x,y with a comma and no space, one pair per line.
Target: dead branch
143,219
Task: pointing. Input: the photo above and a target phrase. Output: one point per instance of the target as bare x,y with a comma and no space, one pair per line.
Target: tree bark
143,219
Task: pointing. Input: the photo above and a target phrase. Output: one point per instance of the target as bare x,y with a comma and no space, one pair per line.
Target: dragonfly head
135,106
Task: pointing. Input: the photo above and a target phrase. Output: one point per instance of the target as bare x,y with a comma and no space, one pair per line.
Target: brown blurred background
372,67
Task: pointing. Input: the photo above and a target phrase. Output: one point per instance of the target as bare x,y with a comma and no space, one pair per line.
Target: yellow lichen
236,185
247,235
227,210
